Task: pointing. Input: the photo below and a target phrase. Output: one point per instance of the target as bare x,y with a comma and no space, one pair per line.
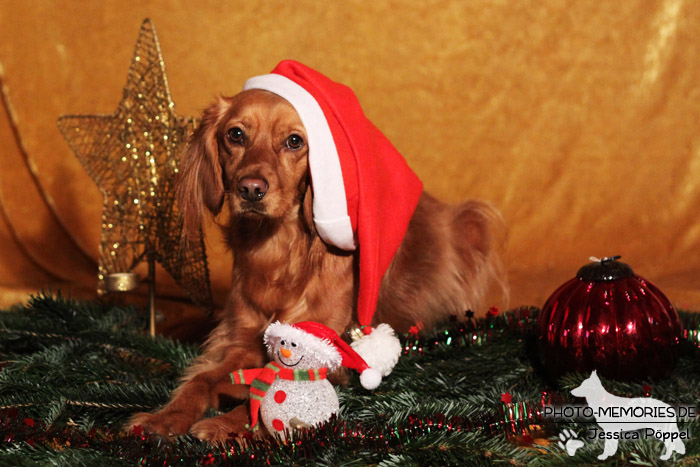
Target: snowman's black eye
282,342
294,344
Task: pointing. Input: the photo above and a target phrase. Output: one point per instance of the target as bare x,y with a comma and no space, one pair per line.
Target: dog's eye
236,135
295,142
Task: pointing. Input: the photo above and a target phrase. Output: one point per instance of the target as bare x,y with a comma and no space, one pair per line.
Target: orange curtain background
580,120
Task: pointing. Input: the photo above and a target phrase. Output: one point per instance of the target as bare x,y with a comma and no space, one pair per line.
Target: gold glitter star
133,157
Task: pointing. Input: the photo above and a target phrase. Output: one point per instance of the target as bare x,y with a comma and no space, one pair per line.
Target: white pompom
381,349
370,378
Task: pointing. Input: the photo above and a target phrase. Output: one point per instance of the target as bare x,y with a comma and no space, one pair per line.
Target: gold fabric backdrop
580,120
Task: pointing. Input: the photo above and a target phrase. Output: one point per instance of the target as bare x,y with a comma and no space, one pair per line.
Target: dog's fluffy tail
448,261
480,236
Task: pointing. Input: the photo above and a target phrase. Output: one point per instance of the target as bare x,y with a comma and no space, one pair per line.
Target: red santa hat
364,192
326,342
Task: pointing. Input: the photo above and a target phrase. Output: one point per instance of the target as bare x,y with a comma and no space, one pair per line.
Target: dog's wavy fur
283,271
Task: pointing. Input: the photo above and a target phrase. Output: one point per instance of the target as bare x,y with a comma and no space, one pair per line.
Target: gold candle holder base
121,282
126,281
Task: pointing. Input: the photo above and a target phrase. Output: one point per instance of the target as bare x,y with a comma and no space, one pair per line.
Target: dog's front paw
166,424
220,428
214,431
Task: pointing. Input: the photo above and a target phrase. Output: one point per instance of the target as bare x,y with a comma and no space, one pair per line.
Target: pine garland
72,372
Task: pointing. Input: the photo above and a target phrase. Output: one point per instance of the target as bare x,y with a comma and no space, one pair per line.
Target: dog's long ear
200,185
307,212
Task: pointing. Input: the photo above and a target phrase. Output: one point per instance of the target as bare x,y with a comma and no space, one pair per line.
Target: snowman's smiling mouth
289,364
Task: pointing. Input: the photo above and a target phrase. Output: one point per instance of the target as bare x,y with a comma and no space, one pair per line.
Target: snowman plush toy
292,391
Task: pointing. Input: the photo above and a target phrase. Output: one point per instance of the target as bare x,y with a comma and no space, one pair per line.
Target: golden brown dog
250,153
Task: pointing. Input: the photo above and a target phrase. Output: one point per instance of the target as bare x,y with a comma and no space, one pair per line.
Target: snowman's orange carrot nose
285,352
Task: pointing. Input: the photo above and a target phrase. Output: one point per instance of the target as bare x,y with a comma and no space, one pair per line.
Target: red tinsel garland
509,418
514,419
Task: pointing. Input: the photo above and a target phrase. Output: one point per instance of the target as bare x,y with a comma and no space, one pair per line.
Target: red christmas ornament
609,319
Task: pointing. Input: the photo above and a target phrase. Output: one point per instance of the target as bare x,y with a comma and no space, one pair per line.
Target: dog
248,163
616,415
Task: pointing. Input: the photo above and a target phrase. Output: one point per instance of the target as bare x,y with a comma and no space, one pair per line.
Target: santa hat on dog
364,192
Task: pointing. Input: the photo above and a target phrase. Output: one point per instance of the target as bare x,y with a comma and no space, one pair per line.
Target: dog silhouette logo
618,415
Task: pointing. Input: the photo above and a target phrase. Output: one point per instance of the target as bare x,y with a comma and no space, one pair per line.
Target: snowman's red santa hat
326,343
364,192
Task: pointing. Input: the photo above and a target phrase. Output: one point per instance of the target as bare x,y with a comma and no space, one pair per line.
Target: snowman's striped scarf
260,380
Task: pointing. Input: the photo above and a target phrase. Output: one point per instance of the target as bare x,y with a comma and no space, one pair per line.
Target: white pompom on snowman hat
327,347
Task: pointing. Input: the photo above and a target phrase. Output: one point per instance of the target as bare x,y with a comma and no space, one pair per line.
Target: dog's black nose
253,189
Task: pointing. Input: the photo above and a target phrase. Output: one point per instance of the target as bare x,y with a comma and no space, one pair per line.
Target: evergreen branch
77,370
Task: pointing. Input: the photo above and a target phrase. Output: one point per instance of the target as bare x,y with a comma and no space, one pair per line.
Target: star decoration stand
133,156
